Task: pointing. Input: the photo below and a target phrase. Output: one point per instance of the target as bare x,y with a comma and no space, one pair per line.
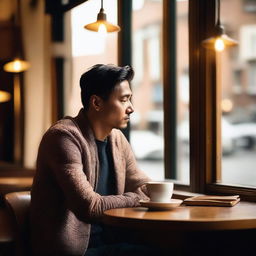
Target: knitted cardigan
63,197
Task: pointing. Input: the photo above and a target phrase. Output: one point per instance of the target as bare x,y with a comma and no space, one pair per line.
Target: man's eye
124,100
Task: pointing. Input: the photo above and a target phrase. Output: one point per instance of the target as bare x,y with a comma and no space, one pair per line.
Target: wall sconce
102,25
220,41
4,96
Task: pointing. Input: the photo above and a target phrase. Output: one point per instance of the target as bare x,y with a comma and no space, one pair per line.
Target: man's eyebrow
126,95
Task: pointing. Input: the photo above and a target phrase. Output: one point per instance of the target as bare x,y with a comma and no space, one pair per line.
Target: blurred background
59,49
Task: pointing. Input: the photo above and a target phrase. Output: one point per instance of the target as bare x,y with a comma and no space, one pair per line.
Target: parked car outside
229,136
246,135
234,136
148,145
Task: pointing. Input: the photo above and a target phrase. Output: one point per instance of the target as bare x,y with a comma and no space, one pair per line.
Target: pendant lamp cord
17,28
101,4
218,17
17,14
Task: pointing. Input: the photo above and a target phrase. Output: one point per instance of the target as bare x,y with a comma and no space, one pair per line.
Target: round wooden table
203,230
185,218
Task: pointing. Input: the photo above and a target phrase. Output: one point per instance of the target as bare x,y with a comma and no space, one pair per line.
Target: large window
146,136
195,118
238,86
221,101
147,125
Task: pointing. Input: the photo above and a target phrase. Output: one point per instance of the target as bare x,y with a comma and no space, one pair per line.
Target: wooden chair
18,207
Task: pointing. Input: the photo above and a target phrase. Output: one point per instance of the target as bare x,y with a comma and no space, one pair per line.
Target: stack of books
212,200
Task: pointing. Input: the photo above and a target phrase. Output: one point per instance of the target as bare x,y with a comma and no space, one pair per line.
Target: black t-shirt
106,179
106,185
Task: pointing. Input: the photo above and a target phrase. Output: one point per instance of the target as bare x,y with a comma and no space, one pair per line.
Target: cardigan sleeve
63,155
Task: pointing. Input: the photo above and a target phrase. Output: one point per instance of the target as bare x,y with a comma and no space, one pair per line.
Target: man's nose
130,108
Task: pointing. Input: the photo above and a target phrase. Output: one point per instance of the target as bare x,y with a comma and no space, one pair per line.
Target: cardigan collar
84,125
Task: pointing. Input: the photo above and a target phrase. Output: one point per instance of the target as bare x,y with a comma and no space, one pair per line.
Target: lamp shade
16,66
96,26
4,96
102,25
218,43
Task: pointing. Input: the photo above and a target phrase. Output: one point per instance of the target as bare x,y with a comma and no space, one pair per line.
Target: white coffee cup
159,191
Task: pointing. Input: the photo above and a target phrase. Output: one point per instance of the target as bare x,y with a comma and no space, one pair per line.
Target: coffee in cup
159,191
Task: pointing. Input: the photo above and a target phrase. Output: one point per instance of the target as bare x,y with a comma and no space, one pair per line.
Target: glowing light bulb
17,65
219,45
102,29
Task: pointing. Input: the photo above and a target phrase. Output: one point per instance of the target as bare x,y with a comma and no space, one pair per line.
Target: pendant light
220,40
4,96
102,25
17,65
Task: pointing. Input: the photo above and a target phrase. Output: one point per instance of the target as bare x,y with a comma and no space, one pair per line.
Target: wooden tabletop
189,218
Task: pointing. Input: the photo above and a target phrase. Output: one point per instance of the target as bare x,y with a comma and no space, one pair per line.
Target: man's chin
122,126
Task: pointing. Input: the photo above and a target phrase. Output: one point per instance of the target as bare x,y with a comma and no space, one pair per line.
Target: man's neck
99,129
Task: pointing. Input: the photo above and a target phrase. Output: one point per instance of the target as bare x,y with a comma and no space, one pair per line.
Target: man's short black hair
101,80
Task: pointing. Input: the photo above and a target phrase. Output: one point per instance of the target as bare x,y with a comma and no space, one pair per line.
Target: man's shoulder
65,127
65,124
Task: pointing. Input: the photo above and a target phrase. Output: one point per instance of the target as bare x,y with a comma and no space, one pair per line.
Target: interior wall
7,8
37,80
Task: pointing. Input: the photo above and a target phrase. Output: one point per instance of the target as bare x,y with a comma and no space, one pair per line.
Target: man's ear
96,102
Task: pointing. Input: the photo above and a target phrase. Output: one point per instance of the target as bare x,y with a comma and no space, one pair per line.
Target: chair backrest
18,206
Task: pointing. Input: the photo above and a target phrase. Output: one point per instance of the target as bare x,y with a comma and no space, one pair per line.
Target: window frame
205,112
170,92
202,75
205,92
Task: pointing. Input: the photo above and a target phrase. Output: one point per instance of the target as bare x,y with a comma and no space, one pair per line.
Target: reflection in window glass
238,104
87,48
147,136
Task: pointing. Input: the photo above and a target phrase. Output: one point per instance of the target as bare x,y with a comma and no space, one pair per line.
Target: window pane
147,121
86,48
182,60
238,80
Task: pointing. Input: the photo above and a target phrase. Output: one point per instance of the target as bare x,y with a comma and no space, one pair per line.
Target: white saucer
161,205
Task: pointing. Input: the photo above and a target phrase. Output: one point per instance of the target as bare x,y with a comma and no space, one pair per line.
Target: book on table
210,200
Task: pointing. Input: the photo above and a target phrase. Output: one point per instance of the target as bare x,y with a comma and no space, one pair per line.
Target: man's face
117,108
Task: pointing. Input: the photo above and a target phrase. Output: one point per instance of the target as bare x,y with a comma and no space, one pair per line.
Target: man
84,167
